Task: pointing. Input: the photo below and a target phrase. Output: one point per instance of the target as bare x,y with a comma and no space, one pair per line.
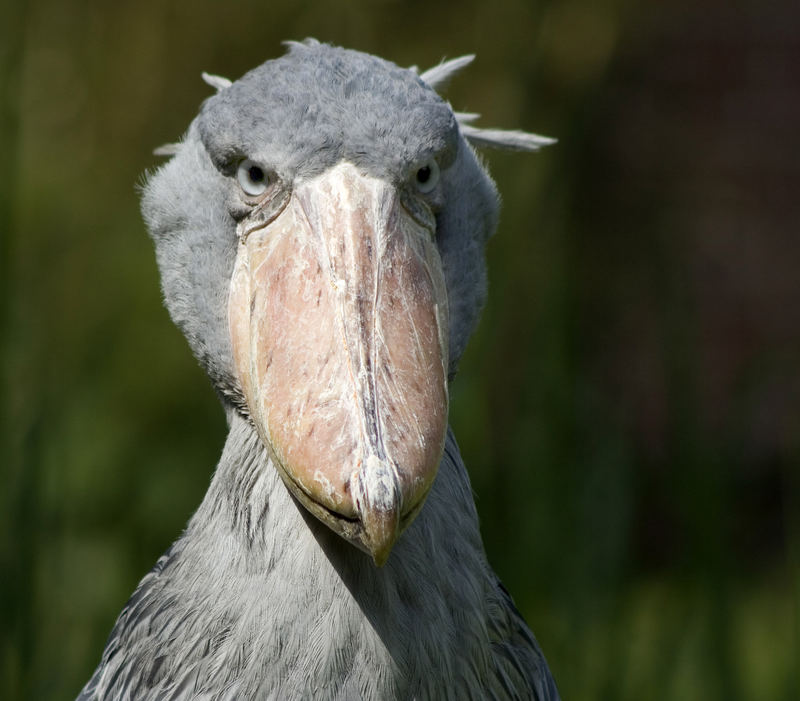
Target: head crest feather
216,81
508,139
438,76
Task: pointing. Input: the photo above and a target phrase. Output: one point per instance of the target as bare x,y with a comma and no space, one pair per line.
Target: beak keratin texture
338,316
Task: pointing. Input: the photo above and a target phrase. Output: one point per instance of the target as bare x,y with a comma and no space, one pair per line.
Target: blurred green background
629,409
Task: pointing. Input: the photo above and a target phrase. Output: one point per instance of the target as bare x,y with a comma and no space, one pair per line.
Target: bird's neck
288,579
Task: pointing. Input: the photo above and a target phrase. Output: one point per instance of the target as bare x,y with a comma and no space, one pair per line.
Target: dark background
629,409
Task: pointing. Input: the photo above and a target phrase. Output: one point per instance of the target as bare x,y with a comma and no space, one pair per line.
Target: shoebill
320,234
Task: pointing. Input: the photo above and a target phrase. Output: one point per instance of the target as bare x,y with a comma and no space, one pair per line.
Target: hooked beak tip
379,503
381,539
380,557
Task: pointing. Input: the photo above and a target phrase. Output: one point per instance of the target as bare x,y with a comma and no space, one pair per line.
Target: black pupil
424,174
255,173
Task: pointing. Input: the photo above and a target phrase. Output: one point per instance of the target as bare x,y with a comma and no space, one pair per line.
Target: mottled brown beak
339,326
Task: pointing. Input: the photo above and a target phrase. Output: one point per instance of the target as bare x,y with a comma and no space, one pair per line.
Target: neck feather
311,599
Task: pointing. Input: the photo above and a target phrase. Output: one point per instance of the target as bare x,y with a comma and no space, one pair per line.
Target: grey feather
257,599
438,76
166,150
510,140
466,117
216,81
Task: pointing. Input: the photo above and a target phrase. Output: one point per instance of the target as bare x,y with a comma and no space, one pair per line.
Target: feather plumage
508,139
268,613
438,76
216,81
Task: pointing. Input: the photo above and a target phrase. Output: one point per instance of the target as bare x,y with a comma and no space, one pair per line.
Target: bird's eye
427,177
252,178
